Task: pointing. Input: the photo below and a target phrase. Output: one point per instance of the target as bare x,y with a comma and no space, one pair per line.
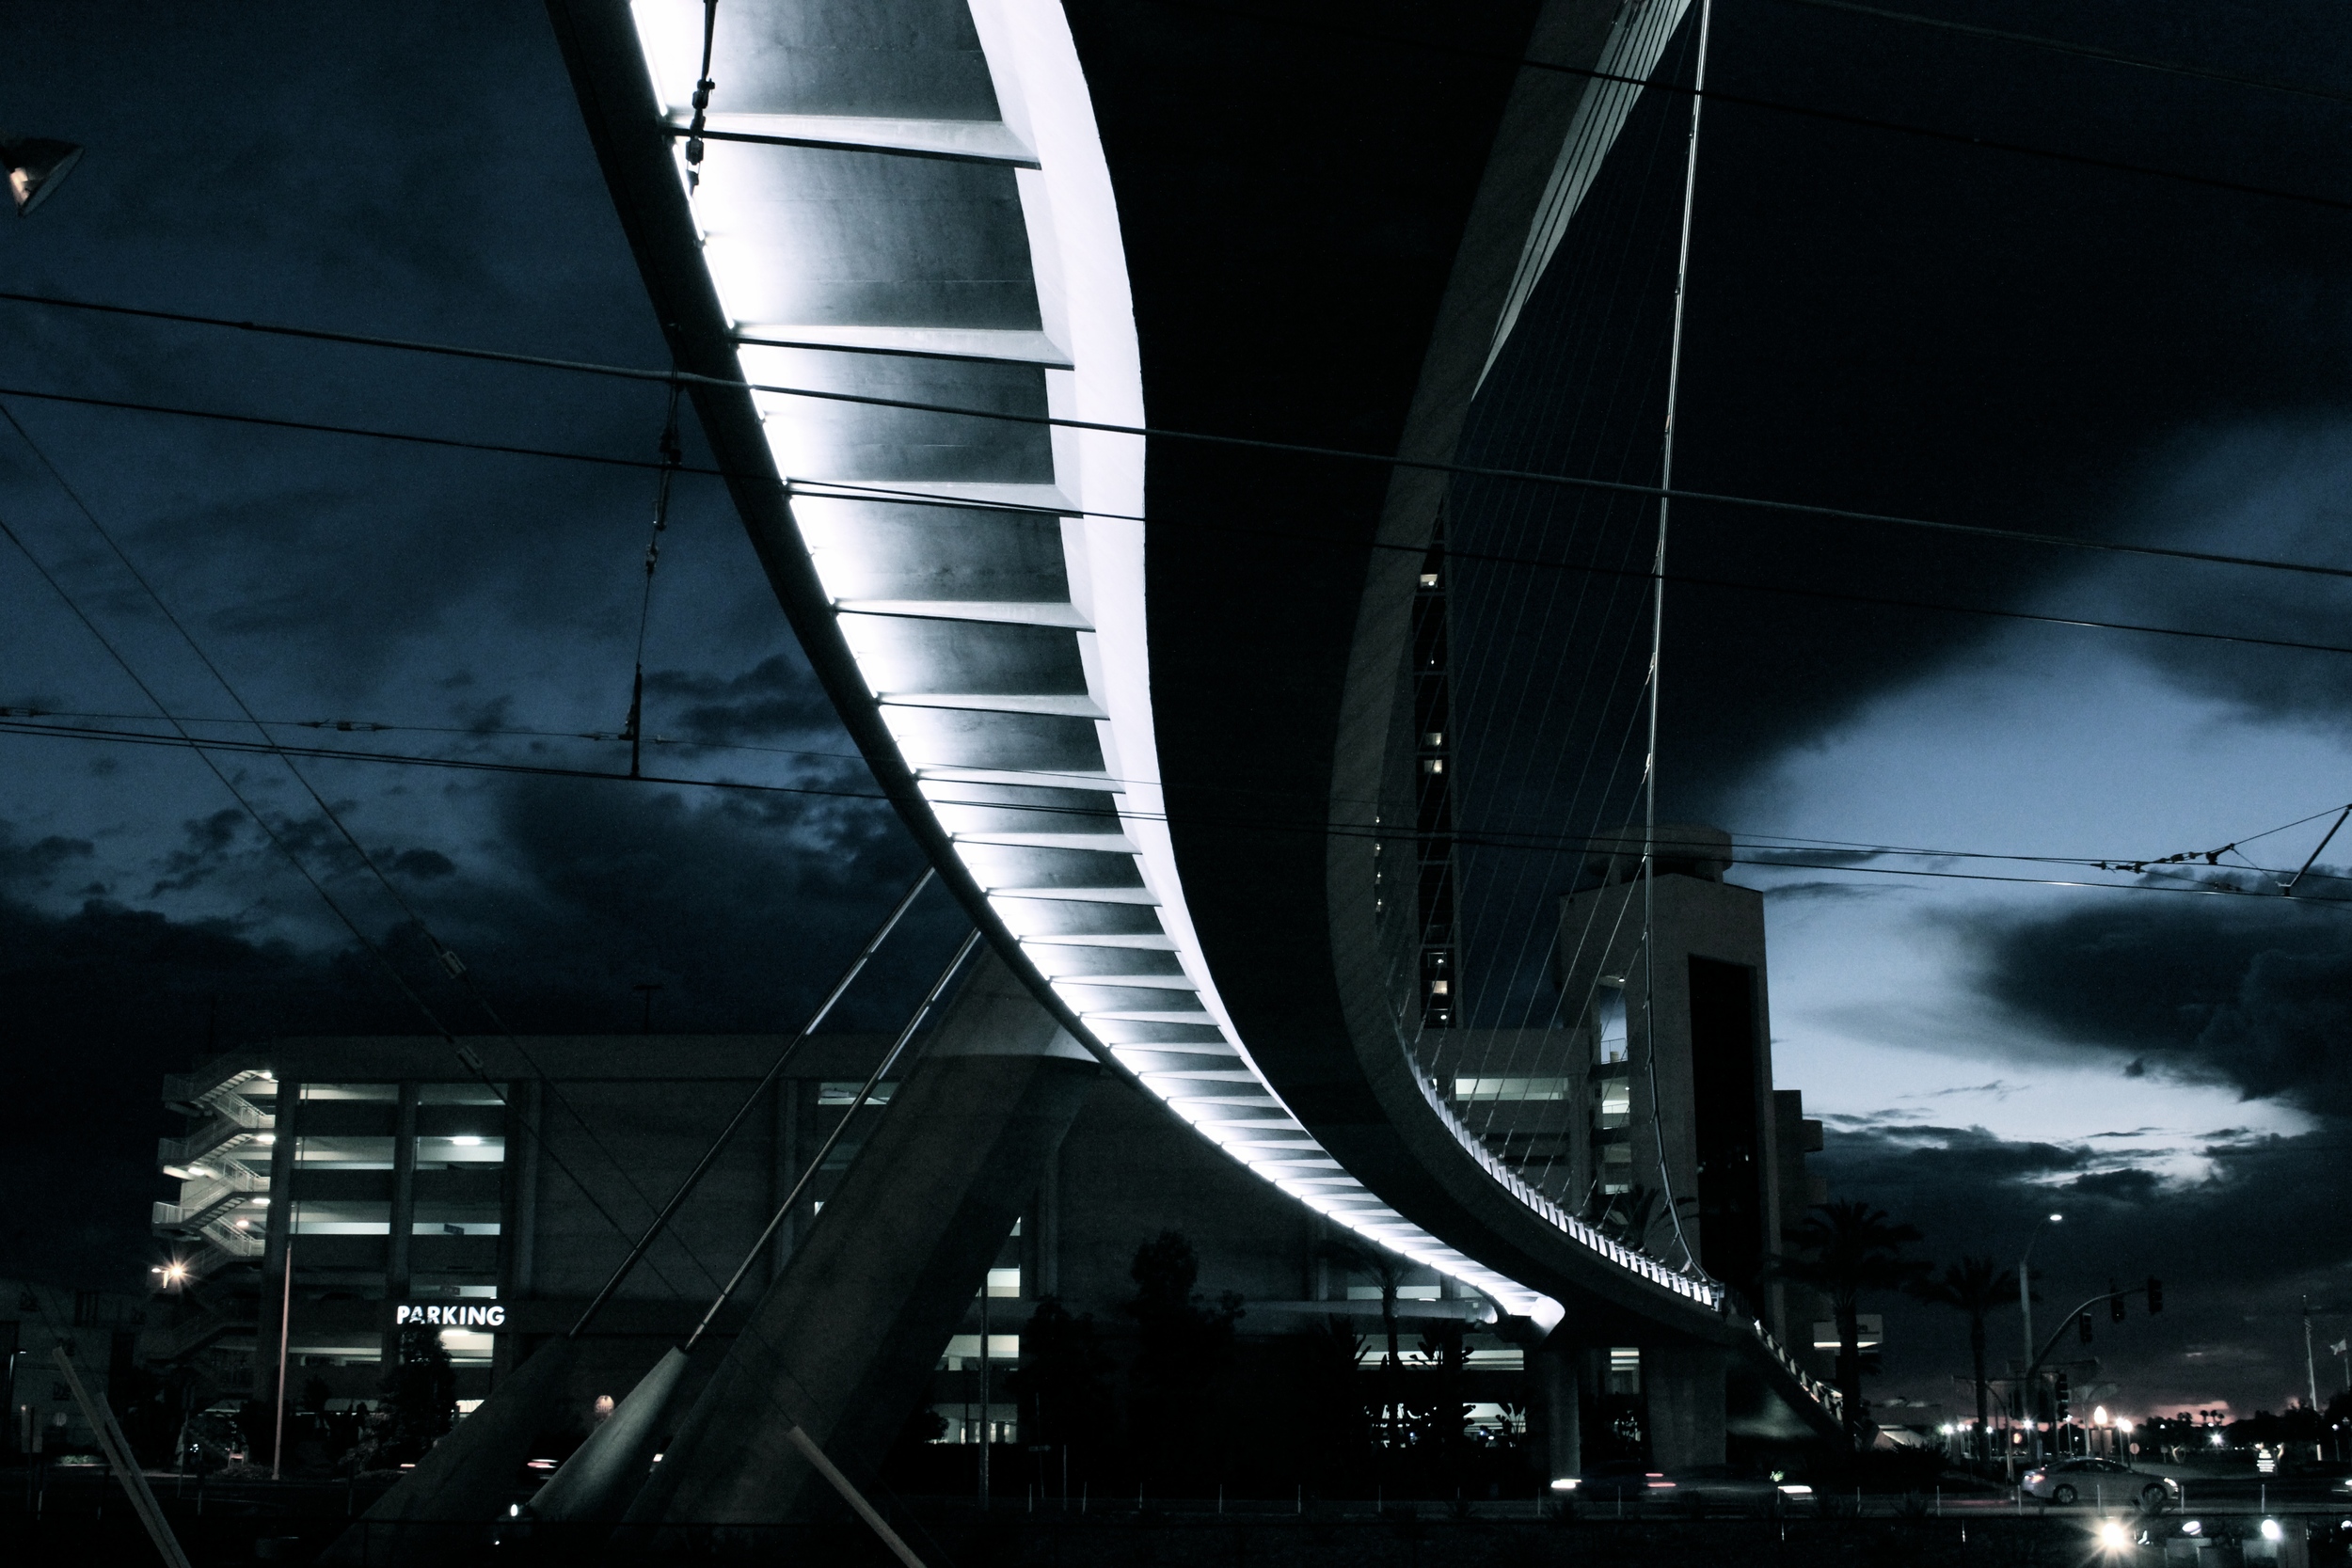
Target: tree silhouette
1977,1286
420,1396
1390,1271
1062,1383
1184,1343
1845,1249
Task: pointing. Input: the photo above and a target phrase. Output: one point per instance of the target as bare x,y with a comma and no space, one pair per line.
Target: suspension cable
1657,647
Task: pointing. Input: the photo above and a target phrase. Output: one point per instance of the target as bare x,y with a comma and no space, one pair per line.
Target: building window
1004,1282
966,1349
1477,1090
844,1092
1609,1026
1625,1369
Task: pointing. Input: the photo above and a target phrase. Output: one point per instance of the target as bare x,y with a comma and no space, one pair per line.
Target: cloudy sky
1878,321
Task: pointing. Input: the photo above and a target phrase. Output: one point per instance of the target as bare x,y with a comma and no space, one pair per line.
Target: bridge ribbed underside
1146,754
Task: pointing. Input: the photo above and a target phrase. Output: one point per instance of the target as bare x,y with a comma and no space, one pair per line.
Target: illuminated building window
1468,1089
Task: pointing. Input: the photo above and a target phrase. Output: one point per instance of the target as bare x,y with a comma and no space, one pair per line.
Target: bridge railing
1706,1293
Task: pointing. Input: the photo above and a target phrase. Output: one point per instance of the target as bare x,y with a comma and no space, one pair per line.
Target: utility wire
1773,860
850,489
1765,847
2086,51
671,457
443,953
835,490
1801,111
464,1053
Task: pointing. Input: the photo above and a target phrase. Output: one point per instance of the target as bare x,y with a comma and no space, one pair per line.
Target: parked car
2102,1482
1701,1489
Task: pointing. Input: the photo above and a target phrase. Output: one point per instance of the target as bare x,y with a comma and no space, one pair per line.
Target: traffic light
2065,1395
2082,1324
2155,1295
2115,1301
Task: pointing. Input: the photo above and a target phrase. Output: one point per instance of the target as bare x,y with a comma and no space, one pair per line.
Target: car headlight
1796,1489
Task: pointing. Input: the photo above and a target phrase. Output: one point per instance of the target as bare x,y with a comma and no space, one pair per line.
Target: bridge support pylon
1683,1387
844,1343
1559,1365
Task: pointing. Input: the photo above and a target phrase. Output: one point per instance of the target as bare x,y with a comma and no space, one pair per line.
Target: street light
2024,1305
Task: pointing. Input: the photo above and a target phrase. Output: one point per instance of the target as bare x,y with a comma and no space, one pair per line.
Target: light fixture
1566,1483
2113,1537
35,165
2271,1530
466,1140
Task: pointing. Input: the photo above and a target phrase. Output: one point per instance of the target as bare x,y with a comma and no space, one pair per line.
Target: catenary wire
1801,111
28,722
1777,860
443,953
645,374
2086,51
465,1054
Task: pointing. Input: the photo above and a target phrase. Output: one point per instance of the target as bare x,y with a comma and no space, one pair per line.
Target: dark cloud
2254,995
773,699
742,910
424,865
33,867
2236,1248
2274,490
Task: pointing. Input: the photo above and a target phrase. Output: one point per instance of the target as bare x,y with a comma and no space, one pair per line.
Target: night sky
1877,321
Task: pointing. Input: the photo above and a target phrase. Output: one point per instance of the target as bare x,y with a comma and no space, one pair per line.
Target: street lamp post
2026,1306
2026,1397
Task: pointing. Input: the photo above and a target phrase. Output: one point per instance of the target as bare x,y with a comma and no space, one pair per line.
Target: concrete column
844,1343
277,1232
404,1217
1556,1368
1682,1386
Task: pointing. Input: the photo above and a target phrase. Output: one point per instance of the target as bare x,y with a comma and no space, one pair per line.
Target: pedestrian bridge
1144,698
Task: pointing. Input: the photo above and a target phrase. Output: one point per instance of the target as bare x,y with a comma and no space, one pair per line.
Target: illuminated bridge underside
1119,211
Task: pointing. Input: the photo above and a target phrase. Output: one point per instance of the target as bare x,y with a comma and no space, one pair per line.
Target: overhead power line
673,377
1760,855
1780,107
2085,51
1762,842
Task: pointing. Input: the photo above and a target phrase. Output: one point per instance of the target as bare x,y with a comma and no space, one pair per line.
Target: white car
2101,1482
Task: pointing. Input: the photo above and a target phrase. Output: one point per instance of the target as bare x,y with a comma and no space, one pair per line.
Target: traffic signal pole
2027,1385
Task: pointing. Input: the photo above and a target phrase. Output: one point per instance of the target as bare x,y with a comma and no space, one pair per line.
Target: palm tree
1389,1270
1843,1249
1975,1286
